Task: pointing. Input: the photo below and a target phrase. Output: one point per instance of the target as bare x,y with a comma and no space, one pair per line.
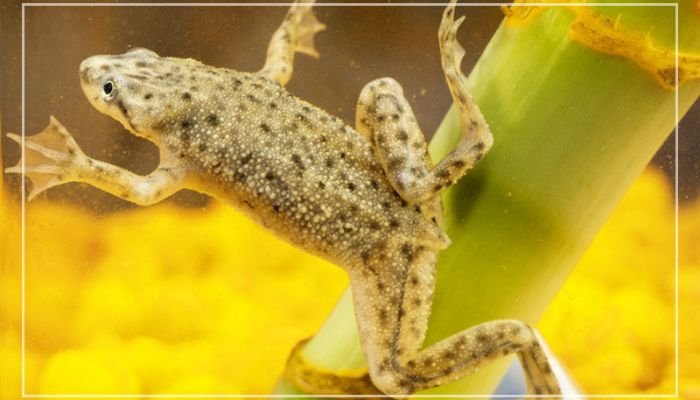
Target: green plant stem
573,128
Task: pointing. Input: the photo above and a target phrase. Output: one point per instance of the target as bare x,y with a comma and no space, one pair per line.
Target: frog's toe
306,25
452,51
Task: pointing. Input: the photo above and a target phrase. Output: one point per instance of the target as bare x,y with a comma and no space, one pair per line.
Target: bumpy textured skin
366,199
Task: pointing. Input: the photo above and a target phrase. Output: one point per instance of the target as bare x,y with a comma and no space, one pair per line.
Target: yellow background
172,300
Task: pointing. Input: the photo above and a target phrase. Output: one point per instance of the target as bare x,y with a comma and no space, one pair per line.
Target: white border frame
24,394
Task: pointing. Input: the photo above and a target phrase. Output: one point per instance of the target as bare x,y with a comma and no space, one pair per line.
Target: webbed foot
49,157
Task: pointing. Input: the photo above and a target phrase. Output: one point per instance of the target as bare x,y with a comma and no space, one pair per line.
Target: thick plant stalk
579,100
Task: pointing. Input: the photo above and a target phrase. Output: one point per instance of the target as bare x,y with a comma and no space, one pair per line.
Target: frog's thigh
295,34
386,119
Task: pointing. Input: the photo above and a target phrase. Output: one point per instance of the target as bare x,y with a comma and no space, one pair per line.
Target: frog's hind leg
393,304
295,34
385,117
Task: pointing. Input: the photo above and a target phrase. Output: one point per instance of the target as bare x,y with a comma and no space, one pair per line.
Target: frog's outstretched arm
296,34
52,158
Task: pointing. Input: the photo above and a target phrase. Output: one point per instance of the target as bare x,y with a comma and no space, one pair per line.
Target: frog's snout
88,70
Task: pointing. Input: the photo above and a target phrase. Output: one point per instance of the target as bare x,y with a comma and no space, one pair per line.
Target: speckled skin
243,138
366,199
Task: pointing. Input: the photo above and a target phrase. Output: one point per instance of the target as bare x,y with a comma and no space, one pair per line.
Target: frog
366,198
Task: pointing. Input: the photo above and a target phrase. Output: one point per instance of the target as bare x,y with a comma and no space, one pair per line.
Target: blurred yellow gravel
171,300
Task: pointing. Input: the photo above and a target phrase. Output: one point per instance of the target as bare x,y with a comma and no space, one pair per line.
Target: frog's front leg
295,34
52,158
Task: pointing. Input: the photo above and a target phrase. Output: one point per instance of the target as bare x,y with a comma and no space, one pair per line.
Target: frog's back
293,167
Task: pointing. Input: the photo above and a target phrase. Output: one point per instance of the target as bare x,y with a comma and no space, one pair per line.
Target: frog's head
132,88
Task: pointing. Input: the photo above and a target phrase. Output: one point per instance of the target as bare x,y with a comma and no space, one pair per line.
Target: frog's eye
108,90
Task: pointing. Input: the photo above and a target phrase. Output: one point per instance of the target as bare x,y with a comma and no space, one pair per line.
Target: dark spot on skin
414,280
202,147
365,256
402,135
448,354
265,127
253,98
380,286
351,186
212,119
383,316
407,251
380,118
374,184
246,159
458,164
437,187
269,176
395,117
443,174
105,67
186,96
148,96
447,370
141,64
122,108
342,155
239,176
137,77
418,209
417,302
273,105
395,163
321,185
394,224
478,146
386,205
329,162
482,337
296,158
374,225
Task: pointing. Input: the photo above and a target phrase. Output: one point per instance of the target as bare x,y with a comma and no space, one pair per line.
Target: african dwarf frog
366,198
